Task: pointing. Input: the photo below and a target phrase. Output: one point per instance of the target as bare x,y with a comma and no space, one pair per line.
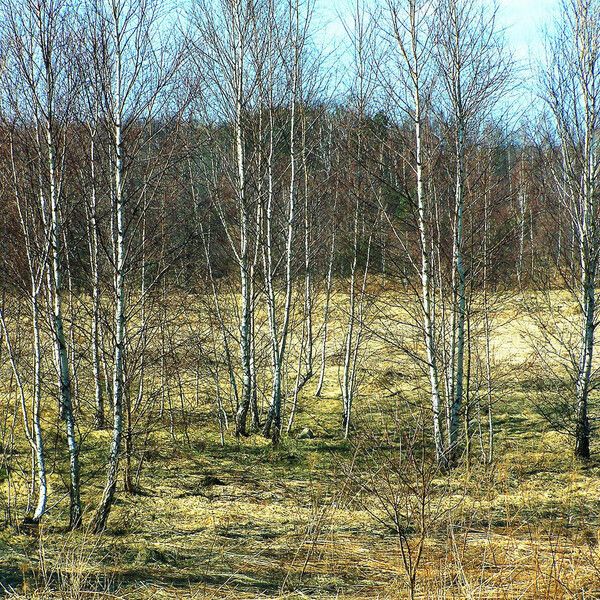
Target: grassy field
308,519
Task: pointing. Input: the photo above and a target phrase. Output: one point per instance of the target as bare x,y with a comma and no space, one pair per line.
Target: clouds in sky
523,20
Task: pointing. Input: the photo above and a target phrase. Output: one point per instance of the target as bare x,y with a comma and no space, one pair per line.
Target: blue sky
524,21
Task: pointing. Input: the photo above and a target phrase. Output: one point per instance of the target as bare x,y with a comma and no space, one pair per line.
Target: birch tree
289,44
41,55
572,88
410,29
221,41
134,74
475,71
360,190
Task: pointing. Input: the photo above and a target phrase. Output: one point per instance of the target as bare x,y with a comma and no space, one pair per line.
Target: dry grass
248,521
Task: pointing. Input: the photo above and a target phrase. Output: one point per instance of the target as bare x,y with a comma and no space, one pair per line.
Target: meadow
329,517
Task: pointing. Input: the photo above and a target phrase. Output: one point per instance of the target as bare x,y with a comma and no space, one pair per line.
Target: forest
283,316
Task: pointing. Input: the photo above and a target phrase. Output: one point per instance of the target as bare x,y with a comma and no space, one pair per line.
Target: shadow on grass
11,578
227,581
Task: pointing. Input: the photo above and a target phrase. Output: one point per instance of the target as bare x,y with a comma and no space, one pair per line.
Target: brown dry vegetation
245,520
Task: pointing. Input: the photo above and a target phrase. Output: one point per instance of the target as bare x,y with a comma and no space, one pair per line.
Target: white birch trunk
108,494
